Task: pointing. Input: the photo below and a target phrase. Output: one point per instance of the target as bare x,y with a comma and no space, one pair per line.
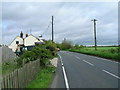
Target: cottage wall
13,45
30,40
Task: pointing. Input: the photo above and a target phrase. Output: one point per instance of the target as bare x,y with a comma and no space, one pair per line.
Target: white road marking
88,63
64,73
103,59
61,60
77,57
111,74
65,77
99,58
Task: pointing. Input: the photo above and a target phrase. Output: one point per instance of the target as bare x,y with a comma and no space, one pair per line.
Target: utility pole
94,22
52,30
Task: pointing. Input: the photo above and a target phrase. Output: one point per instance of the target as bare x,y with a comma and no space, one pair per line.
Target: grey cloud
72,21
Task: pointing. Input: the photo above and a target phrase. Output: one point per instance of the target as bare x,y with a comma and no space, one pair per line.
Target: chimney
21,34
26,35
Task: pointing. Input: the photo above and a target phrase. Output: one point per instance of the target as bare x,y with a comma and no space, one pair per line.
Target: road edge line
64,74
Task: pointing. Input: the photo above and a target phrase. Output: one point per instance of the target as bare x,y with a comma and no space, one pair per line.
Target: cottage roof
14,39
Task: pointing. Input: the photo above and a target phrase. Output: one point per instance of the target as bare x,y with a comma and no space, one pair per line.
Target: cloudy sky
72,20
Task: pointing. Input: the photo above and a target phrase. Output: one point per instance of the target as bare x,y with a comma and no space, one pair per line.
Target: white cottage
17,43
32,40
29,41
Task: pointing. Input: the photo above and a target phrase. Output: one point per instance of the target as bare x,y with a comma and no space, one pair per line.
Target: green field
104,52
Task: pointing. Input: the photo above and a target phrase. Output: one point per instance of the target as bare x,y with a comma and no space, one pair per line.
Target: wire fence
22,76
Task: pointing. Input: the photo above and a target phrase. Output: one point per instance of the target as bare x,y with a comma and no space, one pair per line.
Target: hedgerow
43,52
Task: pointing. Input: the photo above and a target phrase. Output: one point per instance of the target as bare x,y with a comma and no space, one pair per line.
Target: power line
45,30
62,4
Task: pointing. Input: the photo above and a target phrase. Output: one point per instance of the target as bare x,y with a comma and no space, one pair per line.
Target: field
104,52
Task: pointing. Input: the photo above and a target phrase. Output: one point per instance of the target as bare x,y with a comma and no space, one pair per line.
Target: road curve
85,71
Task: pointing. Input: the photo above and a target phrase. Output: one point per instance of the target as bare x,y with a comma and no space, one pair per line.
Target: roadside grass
8,67
104,52
0,72
44,78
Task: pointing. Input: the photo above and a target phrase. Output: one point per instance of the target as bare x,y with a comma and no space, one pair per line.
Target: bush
45,52
41,52
116,50
50,45
76,46
20,62
81,46
58,45
37,51
26,57
66,44
45,55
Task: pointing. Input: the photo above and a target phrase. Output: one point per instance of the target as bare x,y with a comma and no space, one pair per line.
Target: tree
66,44
76,46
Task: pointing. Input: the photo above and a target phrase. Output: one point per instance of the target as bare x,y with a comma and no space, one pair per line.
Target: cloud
71,21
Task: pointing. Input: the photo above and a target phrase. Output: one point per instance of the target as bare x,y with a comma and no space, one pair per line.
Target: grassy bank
8,67
104,52
43,79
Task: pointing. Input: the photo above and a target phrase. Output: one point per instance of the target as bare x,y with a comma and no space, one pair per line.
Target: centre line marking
64,74
88,63
77,57
110,74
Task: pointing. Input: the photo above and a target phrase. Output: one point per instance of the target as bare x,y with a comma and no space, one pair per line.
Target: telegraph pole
94,22
52,30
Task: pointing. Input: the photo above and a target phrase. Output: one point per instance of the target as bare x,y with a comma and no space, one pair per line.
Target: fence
22,76
7,54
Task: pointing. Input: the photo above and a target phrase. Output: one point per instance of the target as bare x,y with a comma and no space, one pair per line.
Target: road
77,70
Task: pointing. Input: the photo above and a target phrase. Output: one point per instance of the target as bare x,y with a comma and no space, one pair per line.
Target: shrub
50,47
112,50
58,45
19,62
29,55
41,52
37,51
76,46
26,57
45,55
81,46
66,44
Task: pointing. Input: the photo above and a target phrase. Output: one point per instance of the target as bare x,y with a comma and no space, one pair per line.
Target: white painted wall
13,45
30,40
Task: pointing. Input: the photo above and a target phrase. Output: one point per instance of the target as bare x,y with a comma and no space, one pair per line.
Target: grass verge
104,52
44,78
8,67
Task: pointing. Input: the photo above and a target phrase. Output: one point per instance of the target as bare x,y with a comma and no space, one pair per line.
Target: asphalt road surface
77,70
